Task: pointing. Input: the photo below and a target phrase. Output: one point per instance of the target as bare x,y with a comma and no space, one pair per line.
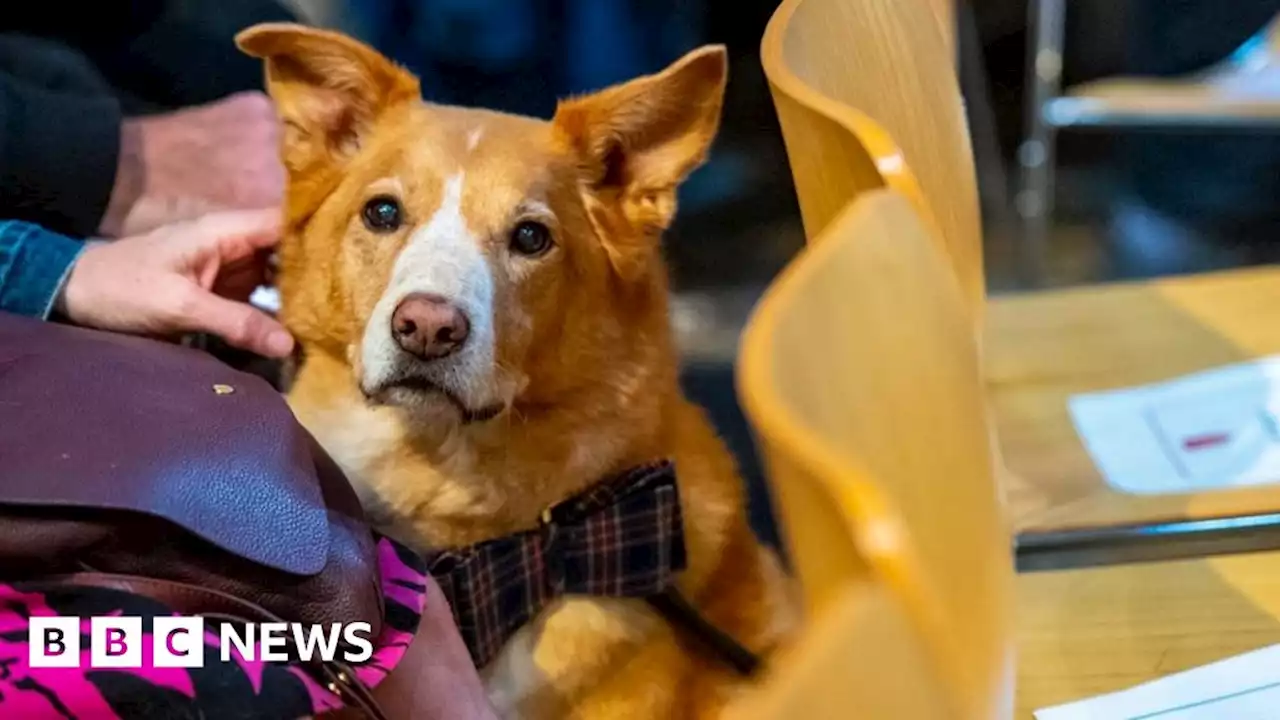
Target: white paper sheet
1246,687
1218,428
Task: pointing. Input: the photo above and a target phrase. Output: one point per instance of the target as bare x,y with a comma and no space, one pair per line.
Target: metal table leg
1036,154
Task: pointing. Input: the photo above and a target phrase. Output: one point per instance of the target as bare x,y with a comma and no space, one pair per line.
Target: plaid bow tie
622,538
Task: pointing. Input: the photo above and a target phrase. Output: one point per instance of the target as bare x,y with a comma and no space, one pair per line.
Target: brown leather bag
153,467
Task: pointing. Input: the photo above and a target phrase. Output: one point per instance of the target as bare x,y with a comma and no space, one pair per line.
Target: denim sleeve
34,265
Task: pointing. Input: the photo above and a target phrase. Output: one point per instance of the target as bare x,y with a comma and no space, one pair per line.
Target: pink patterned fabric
240,689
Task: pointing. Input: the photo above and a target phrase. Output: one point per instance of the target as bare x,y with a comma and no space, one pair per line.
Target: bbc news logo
179,642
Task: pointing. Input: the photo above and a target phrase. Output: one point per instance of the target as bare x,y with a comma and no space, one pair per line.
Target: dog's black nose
429,326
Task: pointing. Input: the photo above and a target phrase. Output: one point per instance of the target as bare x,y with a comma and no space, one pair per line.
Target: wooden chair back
859,372
828,673
867,97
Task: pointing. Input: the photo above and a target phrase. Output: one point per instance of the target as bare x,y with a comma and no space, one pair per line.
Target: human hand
194,276
181,165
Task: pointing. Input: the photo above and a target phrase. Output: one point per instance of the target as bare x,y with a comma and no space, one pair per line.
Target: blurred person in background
122,116
1196,200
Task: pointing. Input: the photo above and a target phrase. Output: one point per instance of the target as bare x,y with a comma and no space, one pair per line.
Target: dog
482,308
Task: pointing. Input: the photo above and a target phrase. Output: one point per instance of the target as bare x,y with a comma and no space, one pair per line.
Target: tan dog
483,310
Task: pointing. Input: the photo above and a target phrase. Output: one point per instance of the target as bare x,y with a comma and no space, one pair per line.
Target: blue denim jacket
34,264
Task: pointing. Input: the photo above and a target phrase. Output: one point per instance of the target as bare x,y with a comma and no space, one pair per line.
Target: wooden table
1087,632
1044,347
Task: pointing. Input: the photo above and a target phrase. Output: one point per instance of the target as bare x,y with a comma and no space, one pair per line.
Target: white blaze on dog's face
463,260
443,270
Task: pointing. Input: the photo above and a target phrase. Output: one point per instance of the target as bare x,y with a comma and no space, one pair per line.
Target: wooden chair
867,101
945,12
853,121
847,96
860,374
829,674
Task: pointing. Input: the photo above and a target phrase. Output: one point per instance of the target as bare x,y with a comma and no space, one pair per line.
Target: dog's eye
382,214
531,238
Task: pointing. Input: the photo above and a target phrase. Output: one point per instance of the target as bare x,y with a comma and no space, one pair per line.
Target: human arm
170,53
73,165
68,159
58,157
34,266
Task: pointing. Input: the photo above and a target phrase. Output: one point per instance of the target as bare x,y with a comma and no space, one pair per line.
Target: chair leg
1036,155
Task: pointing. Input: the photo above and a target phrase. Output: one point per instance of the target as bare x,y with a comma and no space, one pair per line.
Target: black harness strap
678,611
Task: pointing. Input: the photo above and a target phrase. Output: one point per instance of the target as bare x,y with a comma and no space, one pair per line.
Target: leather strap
194,600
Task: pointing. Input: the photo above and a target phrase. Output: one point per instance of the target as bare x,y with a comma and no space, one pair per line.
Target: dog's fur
572,350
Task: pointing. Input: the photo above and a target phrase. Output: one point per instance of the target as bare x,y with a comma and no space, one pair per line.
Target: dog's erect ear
638,140
328,90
